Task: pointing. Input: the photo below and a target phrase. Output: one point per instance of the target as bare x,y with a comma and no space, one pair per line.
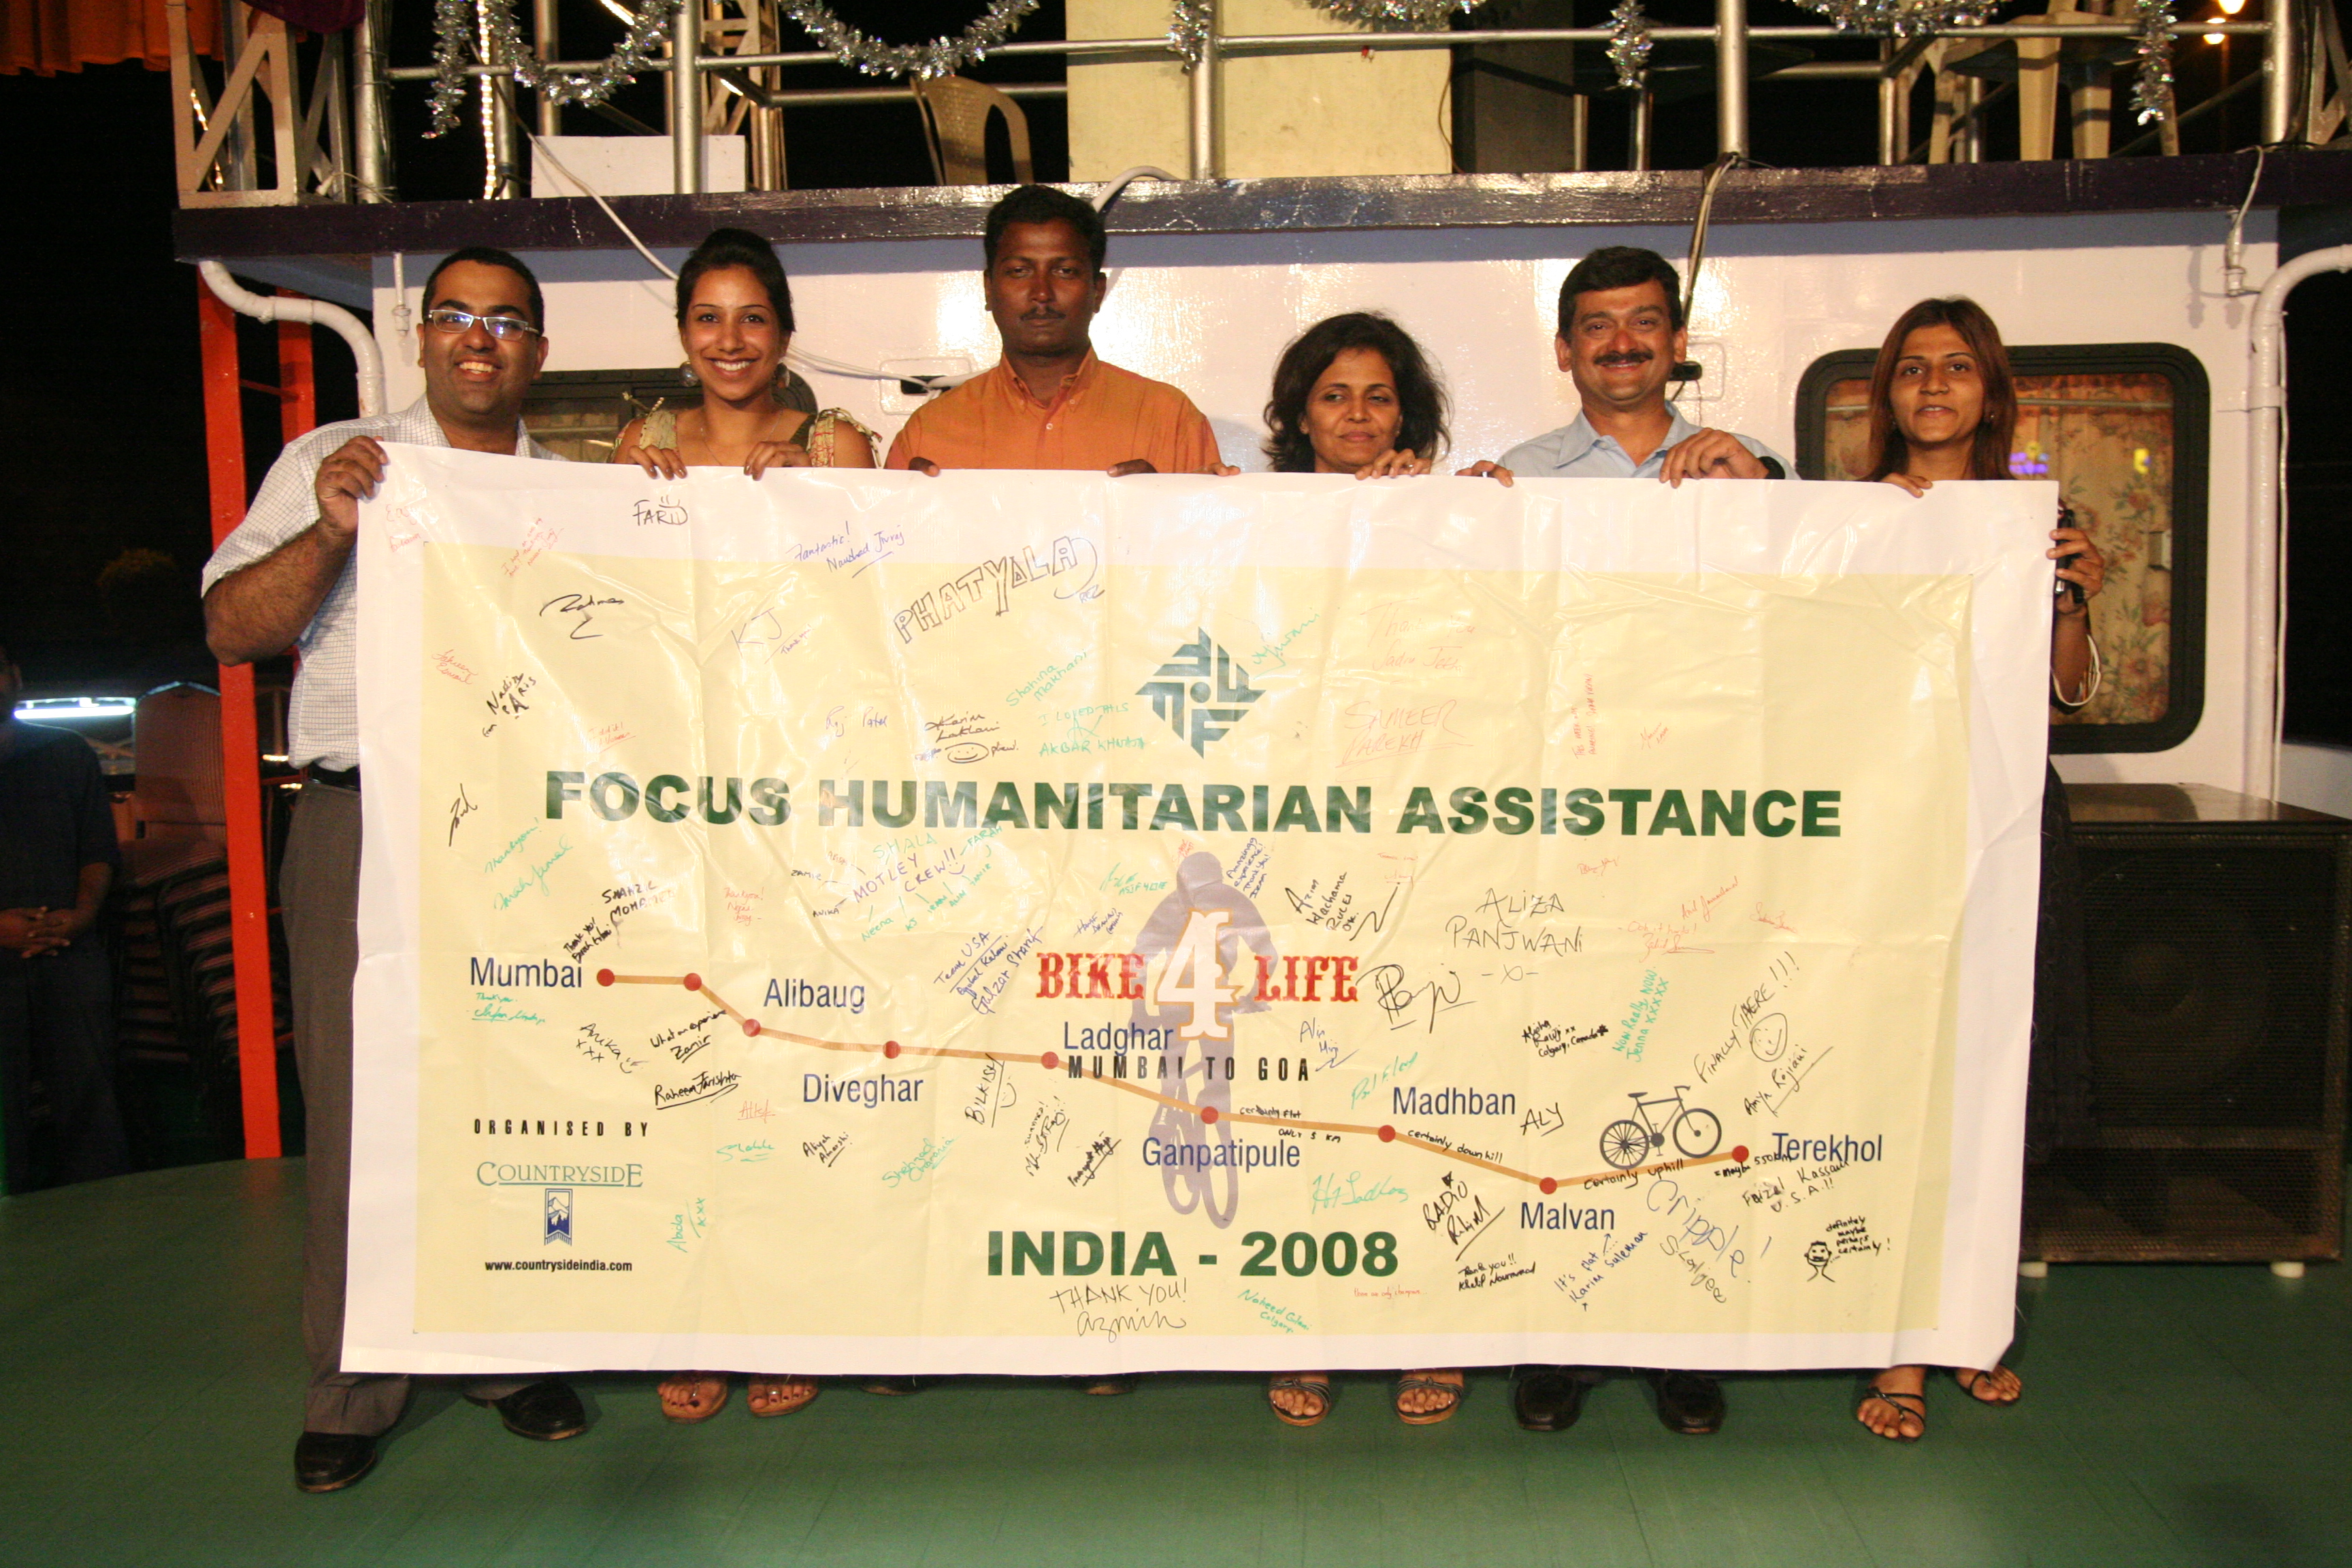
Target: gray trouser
318,885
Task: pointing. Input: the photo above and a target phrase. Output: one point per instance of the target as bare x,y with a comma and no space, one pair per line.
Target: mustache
1637,356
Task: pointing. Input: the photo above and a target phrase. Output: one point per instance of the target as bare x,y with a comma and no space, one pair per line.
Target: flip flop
1411,1384
1969,1379
1902,1401
752,1390
691,1413
1320,1387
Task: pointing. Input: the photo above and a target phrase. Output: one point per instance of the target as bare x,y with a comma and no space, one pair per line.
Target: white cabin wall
1210,312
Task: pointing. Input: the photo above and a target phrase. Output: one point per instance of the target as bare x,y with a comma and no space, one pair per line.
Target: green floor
149,1391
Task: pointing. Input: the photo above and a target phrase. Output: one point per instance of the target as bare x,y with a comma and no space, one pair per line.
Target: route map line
1209,1114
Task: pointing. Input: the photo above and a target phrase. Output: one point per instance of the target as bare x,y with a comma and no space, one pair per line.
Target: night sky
99,361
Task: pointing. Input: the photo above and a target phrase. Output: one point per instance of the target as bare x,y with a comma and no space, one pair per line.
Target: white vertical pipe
365,356
2266,512
686,98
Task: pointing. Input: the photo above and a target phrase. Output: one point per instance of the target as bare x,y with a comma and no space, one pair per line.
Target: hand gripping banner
1043,923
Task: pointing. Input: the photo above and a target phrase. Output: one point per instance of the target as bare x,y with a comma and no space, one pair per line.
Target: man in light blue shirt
1621,333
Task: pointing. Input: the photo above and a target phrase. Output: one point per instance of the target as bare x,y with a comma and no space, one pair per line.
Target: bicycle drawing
1695,1132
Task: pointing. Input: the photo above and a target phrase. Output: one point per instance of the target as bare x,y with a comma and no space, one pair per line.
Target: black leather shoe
546,1411
329,1461
1548,1401
1690,1403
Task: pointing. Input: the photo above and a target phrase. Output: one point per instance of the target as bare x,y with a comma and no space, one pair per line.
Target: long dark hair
1420,396
1988,457
725,247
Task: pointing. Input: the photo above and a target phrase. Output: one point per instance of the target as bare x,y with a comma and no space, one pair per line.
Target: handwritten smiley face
1769,1038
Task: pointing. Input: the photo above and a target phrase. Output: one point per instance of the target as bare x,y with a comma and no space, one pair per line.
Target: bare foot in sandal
694,1396
1999,1387
1896,1405
778,1395
1299,1398
1426,1397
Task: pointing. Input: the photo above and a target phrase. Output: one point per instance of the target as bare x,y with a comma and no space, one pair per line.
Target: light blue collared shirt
1578,451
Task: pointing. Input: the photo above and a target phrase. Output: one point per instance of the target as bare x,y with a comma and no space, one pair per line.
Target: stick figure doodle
1201,928
1816,1253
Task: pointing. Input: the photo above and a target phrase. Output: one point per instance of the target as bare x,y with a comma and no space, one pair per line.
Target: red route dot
1548,1187
890,1049
1739,1154
604,977
1049,1061
1209,1114
694,982
1387,1135
751,1027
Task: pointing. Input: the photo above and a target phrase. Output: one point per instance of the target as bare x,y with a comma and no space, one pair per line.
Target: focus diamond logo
1208,681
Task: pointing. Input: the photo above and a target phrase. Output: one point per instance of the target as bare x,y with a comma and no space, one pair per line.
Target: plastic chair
955,111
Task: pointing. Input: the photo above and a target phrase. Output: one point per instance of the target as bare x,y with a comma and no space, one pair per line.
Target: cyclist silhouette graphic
1203,922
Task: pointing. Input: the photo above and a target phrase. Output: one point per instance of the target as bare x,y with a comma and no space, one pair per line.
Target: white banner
855,922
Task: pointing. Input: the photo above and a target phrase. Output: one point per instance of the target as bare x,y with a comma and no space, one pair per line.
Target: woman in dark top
1942,408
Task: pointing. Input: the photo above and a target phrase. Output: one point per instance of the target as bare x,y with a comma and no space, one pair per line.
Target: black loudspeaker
2216,926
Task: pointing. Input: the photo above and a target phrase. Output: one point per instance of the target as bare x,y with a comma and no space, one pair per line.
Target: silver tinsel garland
1902,18
453,36
1629,43
1187,20
2152,90
941,57
1409,16
1188,29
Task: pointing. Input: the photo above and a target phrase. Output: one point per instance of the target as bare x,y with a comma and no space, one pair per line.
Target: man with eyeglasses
286,578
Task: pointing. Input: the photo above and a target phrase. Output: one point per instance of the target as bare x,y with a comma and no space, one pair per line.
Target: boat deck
151,1370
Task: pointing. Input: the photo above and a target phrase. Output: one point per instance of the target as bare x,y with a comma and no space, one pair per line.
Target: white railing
2283,87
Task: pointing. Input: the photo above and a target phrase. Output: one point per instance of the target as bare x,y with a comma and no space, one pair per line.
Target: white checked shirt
1578,451
326,716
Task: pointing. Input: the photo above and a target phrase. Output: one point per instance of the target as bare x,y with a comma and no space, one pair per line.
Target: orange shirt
1101,417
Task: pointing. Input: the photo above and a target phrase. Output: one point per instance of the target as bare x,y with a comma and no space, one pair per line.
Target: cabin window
2121,430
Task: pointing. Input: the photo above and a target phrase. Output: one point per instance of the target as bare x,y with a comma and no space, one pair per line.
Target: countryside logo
558,1216
1217,704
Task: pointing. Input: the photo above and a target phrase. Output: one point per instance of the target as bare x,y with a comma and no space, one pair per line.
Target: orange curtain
46,37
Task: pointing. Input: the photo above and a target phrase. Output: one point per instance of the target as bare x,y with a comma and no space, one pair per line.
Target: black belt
336,778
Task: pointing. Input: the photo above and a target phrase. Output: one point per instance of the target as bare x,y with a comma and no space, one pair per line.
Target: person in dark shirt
57,858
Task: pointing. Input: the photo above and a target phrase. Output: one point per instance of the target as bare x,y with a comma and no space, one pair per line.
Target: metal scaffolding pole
1204,103
2280,82
543,37
1731,77
371,122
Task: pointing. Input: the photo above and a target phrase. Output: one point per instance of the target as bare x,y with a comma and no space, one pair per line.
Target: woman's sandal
1412,1382
772,1387
692,1410
1319,1388
1901,1402
1969,1379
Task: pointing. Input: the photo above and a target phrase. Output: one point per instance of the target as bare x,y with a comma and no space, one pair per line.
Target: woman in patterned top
735,320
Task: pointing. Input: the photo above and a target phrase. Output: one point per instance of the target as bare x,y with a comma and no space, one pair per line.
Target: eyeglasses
448,320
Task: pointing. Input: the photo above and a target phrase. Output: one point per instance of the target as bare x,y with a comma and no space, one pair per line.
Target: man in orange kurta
1050,402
